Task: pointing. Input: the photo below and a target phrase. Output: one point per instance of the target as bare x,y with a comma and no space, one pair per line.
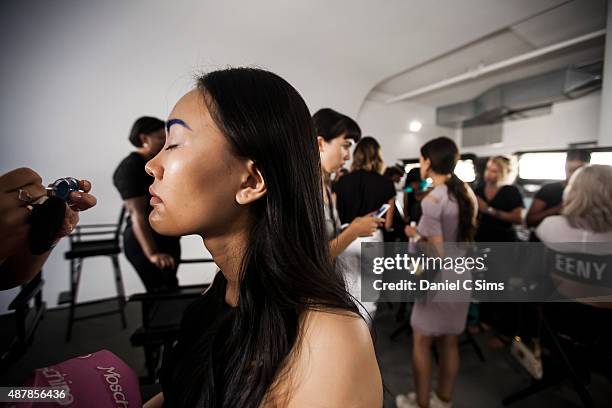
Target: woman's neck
439,179
324,178
228,252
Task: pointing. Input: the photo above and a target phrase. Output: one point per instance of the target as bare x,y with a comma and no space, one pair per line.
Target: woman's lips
154,199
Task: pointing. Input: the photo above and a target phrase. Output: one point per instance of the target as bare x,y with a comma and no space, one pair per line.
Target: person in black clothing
154,256
394,173
365,189
358,194
413,197
547,200
241,169
396,233
500,205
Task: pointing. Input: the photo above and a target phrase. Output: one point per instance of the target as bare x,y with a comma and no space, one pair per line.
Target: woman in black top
365,189
155,257
547,201
358,194
500,206
240,168
414,192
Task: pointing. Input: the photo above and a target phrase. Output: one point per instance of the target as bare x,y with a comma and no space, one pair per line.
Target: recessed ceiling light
415,126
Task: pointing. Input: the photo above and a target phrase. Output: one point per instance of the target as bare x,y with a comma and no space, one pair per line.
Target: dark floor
479,384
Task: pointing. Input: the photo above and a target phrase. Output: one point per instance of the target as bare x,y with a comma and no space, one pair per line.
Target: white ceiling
333,52
569,20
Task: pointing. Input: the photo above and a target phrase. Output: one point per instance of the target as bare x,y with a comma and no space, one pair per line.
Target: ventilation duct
524,98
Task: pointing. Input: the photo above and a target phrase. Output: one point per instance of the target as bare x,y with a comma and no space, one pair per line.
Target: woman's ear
321,143
425,165
252,186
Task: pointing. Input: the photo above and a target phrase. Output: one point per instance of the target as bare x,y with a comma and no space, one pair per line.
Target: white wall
389,125
572,121
76,74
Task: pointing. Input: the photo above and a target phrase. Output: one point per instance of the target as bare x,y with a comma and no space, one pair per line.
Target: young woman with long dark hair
276,328
335,134
449,215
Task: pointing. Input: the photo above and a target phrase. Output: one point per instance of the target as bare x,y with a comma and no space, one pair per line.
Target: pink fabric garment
97,380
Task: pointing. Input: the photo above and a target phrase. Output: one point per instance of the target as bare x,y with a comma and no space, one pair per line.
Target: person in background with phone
358,194
335,134
365,189
154,256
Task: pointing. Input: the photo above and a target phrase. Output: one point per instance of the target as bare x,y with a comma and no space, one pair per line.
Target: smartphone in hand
381,211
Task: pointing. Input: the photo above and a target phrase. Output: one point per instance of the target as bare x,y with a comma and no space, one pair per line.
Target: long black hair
443,155
286,269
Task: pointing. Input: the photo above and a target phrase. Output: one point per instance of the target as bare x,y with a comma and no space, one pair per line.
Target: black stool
161,317
19,326
105,243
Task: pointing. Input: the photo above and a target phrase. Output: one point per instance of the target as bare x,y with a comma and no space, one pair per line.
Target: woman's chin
160,225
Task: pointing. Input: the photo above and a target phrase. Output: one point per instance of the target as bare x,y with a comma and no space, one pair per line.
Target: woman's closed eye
172,146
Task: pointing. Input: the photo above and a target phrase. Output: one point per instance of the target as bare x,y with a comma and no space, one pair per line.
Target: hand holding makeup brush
22,194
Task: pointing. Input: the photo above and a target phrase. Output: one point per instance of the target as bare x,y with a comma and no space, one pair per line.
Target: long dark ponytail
443,155
286,269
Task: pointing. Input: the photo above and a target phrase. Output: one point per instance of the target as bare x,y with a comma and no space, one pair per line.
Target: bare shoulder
334,364
337,322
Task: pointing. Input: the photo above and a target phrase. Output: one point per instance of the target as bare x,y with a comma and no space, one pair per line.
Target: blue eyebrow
171,122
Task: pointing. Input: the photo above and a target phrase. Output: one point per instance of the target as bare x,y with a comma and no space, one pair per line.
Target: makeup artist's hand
78,201
18,188
21,187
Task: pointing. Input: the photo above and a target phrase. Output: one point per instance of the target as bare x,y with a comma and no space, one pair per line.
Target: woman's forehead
192,110
186,104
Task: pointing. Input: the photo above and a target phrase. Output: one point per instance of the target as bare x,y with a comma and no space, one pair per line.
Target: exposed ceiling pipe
483,70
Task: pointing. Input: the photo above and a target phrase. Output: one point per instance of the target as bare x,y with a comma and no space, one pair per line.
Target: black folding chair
19,326
567,342
89,241
161,318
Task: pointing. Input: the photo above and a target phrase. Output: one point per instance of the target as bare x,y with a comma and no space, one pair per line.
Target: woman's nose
153,169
